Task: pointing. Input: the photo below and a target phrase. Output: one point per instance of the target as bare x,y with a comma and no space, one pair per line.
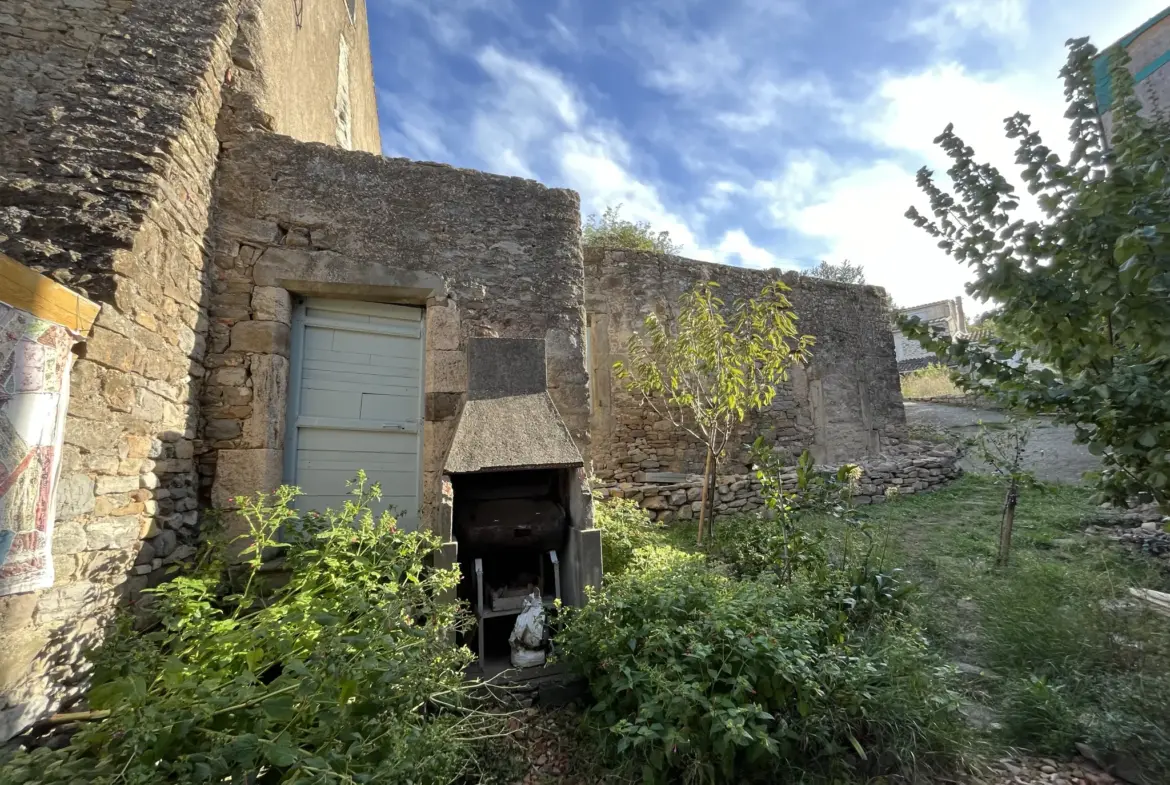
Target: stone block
442,328
446,371
69,537
107,533
260,337
110,485
112,350
441,406
222,430
272,304
244,473
265,428
75,496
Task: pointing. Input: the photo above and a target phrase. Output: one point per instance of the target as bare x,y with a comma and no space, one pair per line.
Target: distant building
1149,51
945,314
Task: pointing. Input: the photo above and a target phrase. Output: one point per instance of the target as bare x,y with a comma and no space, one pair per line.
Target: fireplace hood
509,421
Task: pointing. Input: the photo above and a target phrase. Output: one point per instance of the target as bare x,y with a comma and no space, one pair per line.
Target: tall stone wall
107,189
845,405
486,255
43,48
288,61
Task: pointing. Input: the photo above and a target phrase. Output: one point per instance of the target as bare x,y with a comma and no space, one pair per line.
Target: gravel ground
1051,453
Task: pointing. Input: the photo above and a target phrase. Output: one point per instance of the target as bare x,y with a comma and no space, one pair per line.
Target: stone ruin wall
487,255
911,469
106,187
845,405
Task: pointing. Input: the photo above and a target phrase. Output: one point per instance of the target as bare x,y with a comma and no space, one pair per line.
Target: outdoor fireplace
515,497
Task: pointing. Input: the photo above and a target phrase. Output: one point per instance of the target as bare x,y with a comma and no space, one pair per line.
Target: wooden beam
28,290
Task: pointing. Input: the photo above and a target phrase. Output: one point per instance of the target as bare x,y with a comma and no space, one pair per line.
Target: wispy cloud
758,132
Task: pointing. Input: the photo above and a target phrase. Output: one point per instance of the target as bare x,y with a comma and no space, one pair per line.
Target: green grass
933,381
1067,655
1066,659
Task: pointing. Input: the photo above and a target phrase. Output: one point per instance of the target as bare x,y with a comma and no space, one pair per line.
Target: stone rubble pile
1144,526
915,467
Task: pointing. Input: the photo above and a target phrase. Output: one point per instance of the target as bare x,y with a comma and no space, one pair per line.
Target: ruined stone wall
107,188
912,468
487,256
845,405
289,61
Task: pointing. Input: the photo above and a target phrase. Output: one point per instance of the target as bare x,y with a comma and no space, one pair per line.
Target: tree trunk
706,493
1005,526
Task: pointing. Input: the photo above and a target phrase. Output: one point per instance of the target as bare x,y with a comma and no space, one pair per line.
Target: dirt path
1051,454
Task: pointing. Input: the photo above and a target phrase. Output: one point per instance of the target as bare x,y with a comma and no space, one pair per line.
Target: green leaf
280,755
280,708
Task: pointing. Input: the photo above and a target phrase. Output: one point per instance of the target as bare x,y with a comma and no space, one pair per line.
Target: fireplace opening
512,528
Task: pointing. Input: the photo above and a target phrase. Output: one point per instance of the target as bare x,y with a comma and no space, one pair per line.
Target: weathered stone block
69,537
442,406
442,328
108,485
75,496
272,303
446,371
260,337
222,430
244,473
117,533
265,428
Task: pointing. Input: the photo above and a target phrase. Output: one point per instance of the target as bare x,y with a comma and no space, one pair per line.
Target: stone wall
107,188
286,61
43,48
914,467
845,405
487,256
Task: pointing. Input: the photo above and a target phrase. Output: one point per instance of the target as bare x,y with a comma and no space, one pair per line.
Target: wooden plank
44,298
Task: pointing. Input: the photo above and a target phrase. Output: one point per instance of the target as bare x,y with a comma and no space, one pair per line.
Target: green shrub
346,673
697,674
625,527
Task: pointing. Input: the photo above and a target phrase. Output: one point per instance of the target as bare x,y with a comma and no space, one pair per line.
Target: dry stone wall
846,404
107,188
913,468
487,256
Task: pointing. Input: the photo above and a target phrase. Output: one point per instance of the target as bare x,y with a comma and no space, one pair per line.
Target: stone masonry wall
43,48
487,256
846,404
912,468
107,188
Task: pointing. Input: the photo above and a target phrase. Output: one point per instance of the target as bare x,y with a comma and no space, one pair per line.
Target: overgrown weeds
346,673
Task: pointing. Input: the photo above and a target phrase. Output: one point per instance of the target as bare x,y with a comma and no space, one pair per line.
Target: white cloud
738,249
947,21
855,209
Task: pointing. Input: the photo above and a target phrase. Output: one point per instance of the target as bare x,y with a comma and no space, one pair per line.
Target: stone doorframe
282,273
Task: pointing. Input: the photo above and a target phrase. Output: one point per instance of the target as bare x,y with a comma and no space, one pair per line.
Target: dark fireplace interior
509,521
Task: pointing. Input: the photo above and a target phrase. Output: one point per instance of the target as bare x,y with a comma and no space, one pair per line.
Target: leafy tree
706,368
845,272
610,230
1083,292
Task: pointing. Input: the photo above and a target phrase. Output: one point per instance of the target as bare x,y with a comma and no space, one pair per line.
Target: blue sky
758,132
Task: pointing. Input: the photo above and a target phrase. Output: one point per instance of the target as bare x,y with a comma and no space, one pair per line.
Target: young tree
1003,450
845,272
610,230
1083,292
706,368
